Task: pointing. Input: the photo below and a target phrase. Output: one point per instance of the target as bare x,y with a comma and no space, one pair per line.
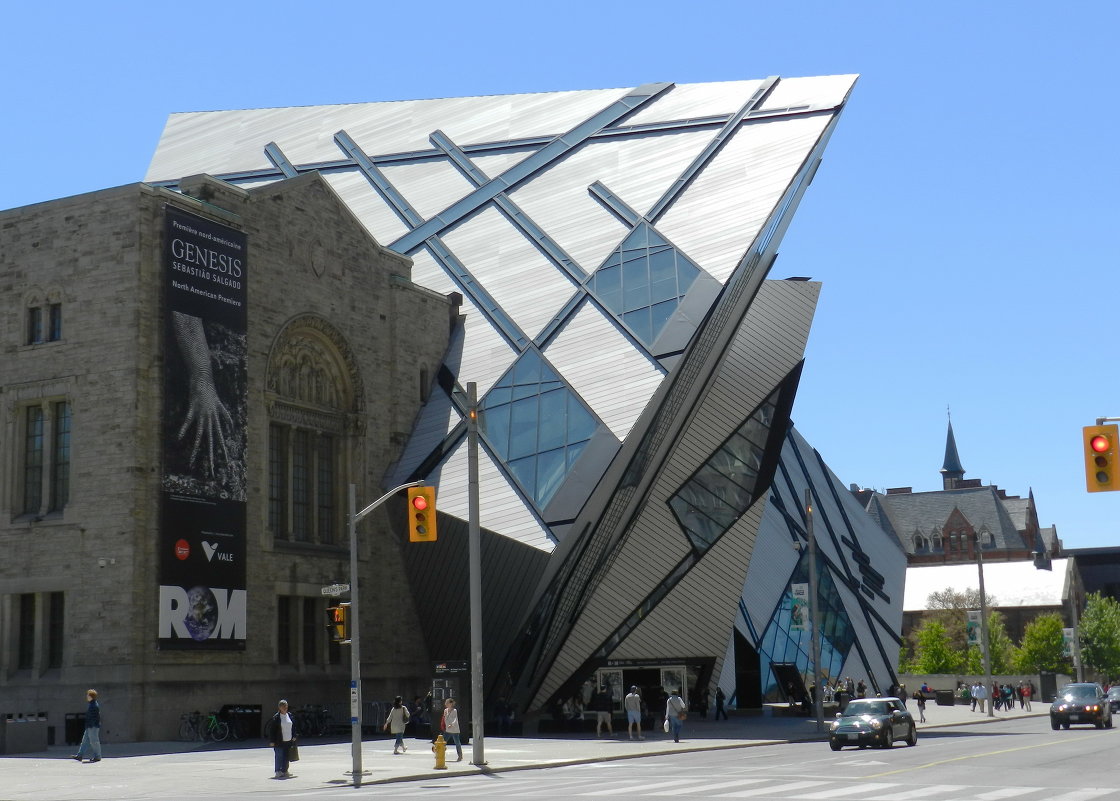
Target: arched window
314,395
920,543
936,542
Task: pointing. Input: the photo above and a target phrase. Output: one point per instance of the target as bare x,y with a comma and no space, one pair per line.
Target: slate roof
905,514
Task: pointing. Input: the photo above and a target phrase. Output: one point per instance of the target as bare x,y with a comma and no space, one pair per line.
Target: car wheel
834,746
912,740
1054,724
888,737
1065,726
1099,723
1108,723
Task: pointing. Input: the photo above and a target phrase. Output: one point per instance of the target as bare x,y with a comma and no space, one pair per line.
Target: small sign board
335,589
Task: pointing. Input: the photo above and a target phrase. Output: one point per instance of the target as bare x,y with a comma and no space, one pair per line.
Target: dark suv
1083,702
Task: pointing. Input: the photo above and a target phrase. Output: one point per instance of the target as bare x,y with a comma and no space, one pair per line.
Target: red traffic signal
421,514
1102,471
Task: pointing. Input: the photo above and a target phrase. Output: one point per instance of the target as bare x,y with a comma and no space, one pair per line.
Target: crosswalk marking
703,788
660,785
1084,794
777,788
920,793
1003,792
855,789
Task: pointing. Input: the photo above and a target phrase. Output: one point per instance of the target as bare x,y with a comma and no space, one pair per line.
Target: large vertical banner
202,598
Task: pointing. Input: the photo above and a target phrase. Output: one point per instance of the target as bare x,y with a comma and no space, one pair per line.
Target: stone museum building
172,507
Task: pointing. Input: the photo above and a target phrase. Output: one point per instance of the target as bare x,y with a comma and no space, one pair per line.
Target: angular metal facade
635,384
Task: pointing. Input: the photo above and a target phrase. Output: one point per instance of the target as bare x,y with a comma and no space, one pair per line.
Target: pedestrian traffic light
338,622
421,514
1100,443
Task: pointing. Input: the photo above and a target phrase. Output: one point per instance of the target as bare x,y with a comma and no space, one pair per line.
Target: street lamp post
984,629
814,612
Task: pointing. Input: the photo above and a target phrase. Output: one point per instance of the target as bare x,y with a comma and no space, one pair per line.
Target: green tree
1000,648
1099,634
934,651
1042,647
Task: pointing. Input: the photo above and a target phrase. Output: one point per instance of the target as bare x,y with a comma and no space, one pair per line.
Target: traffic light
1102,474
338,622
421,514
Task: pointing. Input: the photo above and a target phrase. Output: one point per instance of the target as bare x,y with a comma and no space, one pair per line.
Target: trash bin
945,697
244,720
75,727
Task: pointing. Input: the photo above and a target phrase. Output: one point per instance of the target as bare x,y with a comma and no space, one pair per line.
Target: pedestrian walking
721,700
601,703
91,739
632,703
449,725
920,700
396,723
280,733
675,713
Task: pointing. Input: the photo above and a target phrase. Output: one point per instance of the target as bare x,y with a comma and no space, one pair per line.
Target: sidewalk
146,770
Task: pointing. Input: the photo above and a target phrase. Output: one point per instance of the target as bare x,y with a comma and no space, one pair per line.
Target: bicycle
214,728
188,725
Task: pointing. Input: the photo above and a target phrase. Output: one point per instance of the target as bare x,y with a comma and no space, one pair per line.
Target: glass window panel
495,422
56,632
324,489
553,426
572,454
34,325
635,286
523,428
311,629
663,266
25,658
581,425
277,479
525,471
498,395
301,486
54,327
724,488
33,461
659,314
284,630
550,474
662,291
639,322
608,285
707,502
639,237
527,369
60,457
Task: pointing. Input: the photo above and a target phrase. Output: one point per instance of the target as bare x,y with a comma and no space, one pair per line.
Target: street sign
335,589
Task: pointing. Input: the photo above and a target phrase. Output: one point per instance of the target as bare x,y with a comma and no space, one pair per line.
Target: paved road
171,770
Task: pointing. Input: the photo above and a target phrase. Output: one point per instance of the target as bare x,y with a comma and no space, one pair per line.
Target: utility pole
984,628
814,612
478,712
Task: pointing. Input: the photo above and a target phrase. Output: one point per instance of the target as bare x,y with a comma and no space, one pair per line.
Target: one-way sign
335,589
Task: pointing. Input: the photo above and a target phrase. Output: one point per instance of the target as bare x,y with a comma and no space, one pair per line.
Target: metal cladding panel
498,163
766,347
485,355
375,214
511,269
500,507
721,212
770,568
437,417
439,576
428,186
613,378
825,91
690,100
638,170
698,616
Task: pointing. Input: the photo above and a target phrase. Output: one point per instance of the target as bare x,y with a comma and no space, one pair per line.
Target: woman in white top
280,735
396,722
450,726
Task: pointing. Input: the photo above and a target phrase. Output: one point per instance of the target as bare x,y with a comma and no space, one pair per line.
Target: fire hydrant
440,749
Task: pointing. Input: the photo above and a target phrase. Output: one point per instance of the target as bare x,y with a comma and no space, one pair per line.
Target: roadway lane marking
777,788
951,760
1083,795
1004,792
837,792
922,793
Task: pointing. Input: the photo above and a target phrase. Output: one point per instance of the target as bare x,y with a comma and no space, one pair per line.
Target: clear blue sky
964,222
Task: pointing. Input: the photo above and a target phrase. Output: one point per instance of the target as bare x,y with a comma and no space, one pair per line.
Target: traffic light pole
984,630
814,613
355,517
478,716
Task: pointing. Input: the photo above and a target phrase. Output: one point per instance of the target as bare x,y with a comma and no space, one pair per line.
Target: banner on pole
799,607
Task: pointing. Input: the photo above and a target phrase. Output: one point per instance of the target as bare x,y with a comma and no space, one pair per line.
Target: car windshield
866,708
1078,691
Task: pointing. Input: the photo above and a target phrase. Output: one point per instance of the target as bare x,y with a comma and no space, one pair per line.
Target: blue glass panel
498,394
495,422
550,473
572,453
523,428
659,315
525,471
608,285
581,425
663,266
527,370
638,237
732,494
553,423
639,322
635,285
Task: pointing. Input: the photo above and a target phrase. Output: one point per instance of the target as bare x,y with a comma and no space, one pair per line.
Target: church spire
951,470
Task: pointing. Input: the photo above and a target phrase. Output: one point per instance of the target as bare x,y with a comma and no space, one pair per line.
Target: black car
1081,702
1114,698
873,721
